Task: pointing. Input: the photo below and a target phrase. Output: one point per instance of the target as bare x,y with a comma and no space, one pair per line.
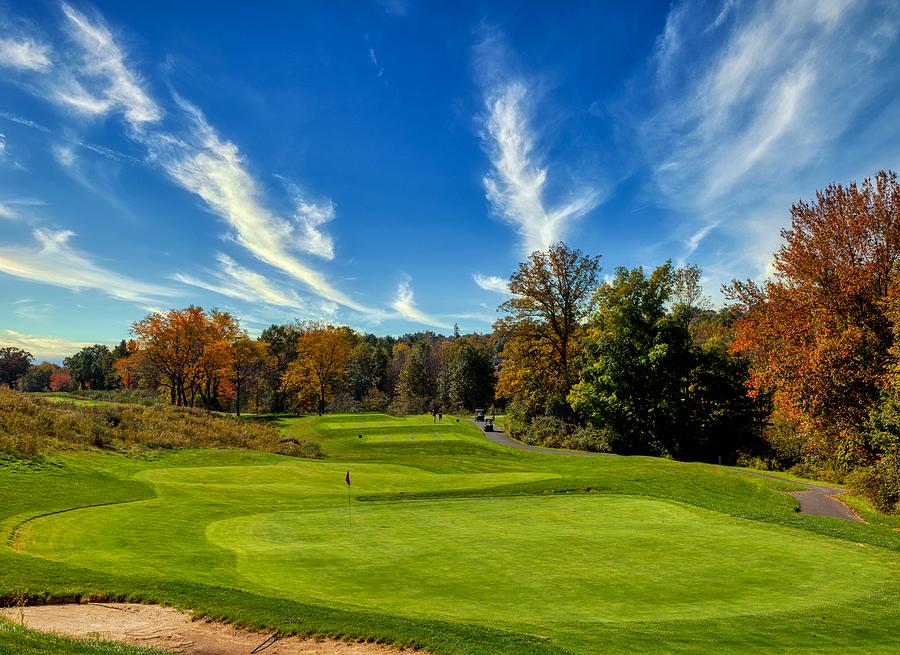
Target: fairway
448,526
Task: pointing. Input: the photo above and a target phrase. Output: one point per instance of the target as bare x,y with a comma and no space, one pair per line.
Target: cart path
817,500
499,437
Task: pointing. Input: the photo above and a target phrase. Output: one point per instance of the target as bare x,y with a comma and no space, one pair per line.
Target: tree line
801,371
194,358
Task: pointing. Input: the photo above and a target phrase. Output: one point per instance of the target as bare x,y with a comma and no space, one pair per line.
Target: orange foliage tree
188,350
246,360
818,332
320,370
552,294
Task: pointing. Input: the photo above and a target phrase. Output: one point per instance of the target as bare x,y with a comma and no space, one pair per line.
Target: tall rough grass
30,425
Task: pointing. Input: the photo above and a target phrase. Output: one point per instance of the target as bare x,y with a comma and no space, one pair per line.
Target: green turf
456,544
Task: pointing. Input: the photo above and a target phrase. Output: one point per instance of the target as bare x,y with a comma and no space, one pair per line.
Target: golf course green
453,544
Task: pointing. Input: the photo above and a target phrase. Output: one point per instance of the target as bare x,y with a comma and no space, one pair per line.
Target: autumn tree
14,362
319,371
246,360
60,381
818,332
220,332
551,296
129,364
524,375
281,341
188,350
37,377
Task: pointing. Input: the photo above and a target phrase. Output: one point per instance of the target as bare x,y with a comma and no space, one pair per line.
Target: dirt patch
173,630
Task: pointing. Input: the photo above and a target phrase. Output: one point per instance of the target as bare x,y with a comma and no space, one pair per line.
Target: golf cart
479,415
489,425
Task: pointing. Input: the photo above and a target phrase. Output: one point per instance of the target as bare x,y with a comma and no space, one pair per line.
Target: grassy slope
206,516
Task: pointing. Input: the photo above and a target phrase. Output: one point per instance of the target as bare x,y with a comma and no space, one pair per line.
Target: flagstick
349,513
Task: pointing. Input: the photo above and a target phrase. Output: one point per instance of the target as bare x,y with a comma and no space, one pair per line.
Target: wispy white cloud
96,175
723,14
64,156
31,310
379,70
102,81
310,216
493,283
517,184
755,105
213,168
405,306
54,261
97,80
42,346
24,54
8,212
10,208
23,121
236,281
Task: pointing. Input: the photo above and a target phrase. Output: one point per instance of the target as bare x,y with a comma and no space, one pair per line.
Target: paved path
818,499
497,436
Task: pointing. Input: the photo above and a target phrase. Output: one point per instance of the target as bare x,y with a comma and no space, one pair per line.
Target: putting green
552,559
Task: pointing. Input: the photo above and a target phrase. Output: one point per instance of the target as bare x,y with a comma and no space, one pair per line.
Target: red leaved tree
818,331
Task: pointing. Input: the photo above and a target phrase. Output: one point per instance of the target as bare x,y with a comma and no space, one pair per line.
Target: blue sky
387,164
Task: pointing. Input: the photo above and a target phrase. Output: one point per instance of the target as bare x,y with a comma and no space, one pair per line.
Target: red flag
347,478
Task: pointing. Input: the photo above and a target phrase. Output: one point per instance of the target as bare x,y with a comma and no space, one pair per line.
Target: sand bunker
171,629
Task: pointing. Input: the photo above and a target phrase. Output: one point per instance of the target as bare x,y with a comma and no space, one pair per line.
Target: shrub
297,448
597,440
516,421
784,441
403,405
546,431
375,400
880,483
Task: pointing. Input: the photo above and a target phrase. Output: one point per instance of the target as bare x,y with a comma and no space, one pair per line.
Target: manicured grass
456,544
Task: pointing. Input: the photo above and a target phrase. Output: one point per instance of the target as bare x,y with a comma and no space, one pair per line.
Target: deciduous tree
37,377
467,380
92,367
247,359
188,349
552,294
60,381
414,392
818,332
14,362
319,371
643,377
